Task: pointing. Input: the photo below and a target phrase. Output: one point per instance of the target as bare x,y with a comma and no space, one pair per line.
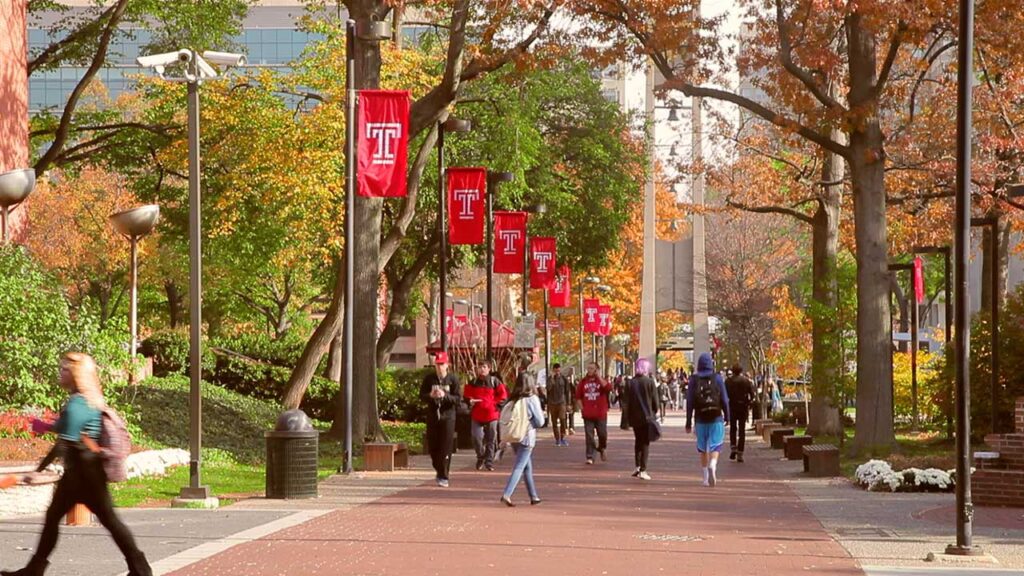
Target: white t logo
465,198
542,259
604,320
387,135
510,237
591,312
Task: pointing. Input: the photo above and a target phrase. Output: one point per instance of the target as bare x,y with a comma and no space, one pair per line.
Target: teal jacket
78,417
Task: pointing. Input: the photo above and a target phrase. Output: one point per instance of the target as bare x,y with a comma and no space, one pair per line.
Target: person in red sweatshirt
485,394
592,397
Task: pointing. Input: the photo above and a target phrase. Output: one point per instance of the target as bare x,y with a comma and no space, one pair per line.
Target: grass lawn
233,437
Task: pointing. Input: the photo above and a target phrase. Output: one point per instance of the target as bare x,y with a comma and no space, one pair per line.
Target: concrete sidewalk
594,520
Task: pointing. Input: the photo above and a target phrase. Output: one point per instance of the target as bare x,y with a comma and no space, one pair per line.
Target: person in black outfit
441,392
642,405
741,395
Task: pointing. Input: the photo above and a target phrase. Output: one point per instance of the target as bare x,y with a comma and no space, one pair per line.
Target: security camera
165,59
205,70
225,58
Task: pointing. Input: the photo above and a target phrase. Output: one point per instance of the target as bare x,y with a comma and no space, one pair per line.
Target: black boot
34,568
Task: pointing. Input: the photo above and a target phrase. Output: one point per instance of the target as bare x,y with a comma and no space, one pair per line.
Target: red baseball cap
441,358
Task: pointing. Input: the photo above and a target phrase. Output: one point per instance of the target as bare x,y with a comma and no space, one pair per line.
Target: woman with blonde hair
84,480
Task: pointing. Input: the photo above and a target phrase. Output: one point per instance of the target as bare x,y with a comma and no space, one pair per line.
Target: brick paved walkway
594,520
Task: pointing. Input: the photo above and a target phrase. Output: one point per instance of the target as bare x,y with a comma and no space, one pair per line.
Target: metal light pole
946,252
197,70
962,243
134,224
992,223
493,179
449,125
371,31
15,187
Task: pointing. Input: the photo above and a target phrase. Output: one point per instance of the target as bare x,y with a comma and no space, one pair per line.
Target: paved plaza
764,518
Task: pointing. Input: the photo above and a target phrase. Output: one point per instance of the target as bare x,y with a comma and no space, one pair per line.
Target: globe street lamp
197,69
15,186
134,224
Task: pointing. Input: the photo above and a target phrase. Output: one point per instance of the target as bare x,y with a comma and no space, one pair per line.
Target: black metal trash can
292,449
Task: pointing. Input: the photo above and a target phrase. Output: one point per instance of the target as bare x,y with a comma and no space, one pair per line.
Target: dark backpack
707,400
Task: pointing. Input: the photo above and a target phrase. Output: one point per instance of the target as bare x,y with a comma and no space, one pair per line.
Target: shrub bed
879,476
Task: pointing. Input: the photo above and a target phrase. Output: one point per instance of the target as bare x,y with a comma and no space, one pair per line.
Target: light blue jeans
522,469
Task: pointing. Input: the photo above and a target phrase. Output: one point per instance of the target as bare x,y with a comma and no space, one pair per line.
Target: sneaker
590,461
732,455
739,457
489,468
479,464
636,473
705,483
442,483
558,443
572,431
535,502
565,442
508,502
604,457
644,475
713,478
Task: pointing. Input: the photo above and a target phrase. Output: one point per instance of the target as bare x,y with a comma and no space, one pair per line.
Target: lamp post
15,187
962,326
370,31
449,125
493,180
592,281
134,224
196,70
947,253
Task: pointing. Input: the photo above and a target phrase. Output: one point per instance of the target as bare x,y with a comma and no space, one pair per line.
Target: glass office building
269,38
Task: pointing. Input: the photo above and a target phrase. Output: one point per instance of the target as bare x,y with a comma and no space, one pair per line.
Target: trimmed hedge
169,351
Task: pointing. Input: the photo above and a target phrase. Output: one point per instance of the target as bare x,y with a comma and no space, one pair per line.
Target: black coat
644,389
441,408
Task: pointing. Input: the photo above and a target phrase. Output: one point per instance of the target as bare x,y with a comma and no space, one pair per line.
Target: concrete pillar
648,324
701,334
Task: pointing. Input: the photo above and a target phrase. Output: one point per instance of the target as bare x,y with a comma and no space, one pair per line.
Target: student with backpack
93,442
707,399
520,418
485,395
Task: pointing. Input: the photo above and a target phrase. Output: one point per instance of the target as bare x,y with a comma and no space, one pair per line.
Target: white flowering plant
878,476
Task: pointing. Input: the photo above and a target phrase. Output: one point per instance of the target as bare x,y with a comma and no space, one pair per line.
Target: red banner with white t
560,292
604,320
382,133
509,242
919,279
542,262
590,315
467,207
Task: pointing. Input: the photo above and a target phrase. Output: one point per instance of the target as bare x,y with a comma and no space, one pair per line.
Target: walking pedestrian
592,396
741,396
440,391
84,481
485,393
559,396
707,399
673,389
524,405
663,399
642,407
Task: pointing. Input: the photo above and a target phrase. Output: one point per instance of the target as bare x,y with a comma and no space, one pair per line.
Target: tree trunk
874,427
174,298
366,250
317,345
825,330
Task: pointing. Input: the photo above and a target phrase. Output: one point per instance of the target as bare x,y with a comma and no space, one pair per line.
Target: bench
794,446
766,430
821,460
778,434
385,456
759,425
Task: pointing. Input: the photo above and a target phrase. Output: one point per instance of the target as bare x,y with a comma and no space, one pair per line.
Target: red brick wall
1001,482
13,89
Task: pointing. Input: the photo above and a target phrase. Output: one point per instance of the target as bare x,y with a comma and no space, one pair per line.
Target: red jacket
486,410
592,392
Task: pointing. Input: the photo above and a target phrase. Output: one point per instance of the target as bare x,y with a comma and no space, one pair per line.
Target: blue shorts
710,436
